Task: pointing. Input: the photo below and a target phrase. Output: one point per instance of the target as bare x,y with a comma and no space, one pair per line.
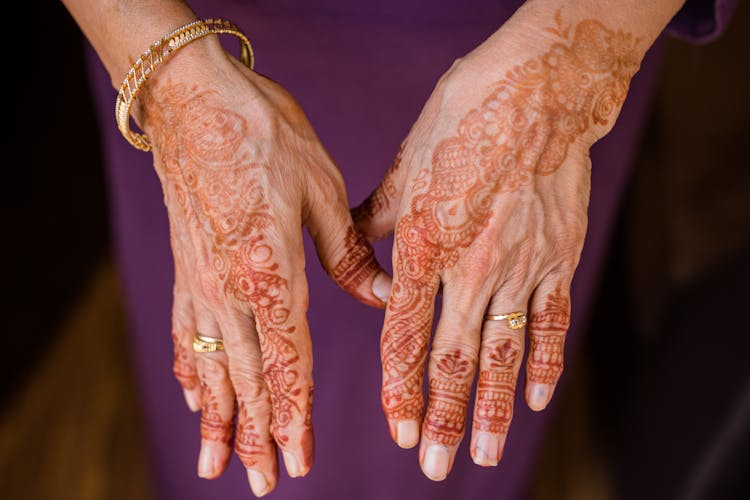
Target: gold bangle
155,55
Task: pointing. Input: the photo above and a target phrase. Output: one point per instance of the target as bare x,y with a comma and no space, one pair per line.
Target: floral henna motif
248,443
524,128
547,338
213,427
495,389
204,150
449,394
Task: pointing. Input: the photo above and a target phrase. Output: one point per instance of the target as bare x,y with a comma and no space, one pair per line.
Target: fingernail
407,433
258,482
436,461
206,467
192,400
486,448
381,286
539,396
291,464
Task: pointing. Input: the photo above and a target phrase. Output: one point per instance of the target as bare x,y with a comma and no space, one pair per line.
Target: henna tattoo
357,264
183,366
213,426
495,389
380,199
248,444
449,394
524,128
204,150
547,330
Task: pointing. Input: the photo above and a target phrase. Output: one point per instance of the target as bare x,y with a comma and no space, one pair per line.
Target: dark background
657,406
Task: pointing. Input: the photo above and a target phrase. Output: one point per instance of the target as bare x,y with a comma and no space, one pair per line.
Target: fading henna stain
547,330
495,389
524,128
449,394
204,149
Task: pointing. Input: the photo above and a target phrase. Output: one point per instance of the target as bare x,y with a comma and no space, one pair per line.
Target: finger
451,368
548,324
217,404
345,254
253,442
406,332
375,217
500,358
183,331
273,282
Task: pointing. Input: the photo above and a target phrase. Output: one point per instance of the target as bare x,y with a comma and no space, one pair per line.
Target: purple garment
362,73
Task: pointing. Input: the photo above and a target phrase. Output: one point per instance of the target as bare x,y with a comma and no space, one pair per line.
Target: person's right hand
242,170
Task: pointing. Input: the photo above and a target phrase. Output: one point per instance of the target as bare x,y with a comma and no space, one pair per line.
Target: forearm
120,30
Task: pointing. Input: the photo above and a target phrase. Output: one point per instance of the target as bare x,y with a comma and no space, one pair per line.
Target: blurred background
670,333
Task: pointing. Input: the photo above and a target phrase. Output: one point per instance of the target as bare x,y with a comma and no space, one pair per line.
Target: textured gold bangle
155,55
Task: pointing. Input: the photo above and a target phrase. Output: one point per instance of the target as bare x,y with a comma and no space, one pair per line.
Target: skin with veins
547,338
524,128
449,394
495,389
214,173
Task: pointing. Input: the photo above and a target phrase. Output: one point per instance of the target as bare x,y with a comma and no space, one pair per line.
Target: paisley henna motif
524,128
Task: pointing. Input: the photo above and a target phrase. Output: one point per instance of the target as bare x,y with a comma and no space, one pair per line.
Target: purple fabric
702,21
362,75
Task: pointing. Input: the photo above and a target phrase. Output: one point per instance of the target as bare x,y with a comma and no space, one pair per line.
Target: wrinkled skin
488,199
242,172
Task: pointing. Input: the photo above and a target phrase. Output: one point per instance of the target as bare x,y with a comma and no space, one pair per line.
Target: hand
242,171
488,197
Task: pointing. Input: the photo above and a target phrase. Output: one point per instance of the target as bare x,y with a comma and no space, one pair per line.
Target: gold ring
515,320
201,343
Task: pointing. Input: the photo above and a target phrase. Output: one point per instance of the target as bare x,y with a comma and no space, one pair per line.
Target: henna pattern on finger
357,264
449,394
248,444
524,128
183,366
495,389
213,426
547,330
218,176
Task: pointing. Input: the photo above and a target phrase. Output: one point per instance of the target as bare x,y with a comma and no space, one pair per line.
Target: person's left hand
488,198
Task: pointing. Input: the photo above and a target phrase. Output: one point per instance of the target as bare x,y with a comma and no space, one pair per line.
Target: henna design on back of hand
524,128
204,150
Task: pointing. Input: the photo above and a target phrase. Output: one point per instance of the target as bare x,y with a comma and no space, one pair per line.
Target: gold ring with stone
515,320
201,343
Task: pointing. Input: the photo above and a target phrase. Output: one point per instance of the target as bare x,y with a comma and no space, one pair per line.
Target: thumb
344,252
375,217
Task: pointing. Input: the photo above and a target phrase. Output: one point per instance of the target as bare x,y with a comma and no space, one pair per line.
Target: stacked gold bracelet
155,55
